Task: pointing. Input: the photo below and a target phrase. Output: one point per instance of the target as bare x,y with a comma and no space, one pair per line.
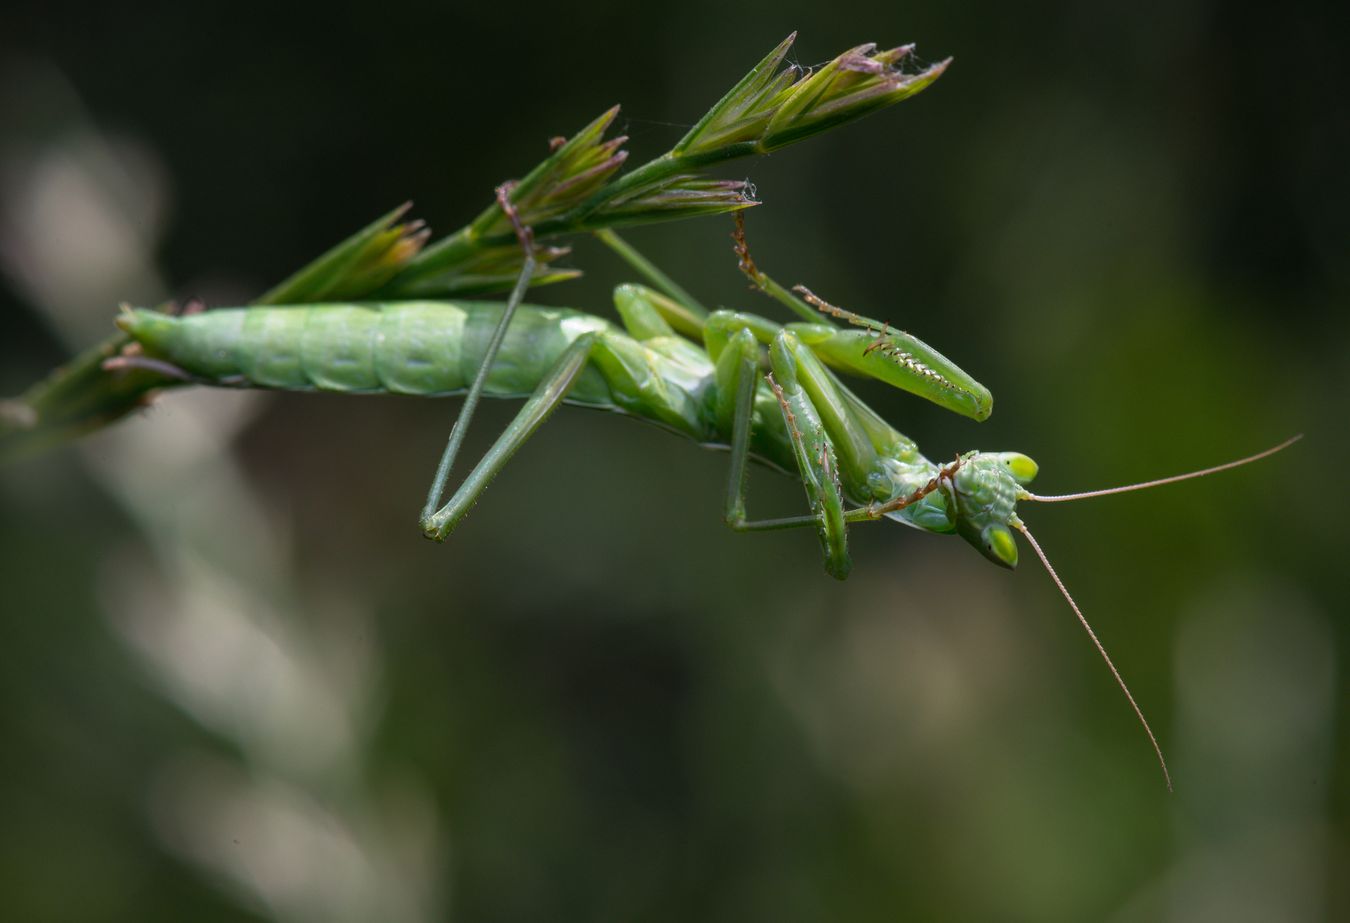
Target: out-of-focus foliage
236,684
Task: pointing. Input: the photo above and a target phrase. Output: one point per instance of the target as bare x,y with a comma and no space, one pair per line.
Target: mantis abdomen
419,348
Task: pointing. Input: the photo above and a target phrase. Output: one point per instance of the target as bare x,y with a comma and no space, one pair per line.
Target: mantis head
982,495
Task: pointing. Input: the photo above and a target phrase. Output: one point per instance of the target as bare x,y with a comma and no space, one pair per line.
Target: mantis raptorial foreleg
816,457
828,428
823,424
835,439
738,376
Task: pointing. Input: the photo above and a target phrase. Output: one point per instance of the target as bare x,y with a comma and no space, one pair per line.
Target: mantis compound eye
999,545
1021,467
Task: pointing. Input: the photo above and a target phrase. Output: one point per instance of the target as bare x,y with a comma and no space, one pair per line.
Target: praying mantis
381,314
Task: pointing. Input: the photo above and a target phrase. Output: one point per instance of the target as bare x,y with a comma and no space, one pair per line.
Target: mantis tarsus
731,379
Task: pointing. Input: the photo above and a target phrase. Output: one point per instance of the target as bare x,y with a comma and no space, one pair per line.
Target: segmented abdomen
422,348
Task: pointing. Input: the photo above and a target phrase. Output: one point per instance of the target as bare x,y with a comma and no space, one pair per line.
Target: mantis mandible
762,389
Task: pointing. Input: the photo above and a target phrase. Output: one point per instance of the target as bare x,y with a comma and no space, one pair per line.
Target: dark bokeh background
236,684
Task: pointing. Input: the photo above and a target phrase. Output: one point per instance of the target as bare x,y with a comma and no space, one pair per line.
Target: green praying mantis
381,313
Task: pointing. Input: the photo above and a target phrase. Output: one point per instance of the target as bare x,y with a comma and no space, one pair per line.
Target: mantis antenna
1059,498
1021,527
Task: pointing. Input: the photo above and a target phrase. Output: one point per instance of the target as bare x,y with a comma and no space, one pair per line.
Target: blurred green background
236,684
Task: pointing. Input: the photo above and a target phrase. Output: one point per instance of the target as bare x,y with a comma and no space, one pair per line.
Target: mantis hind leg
546,398
475,393
619,362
